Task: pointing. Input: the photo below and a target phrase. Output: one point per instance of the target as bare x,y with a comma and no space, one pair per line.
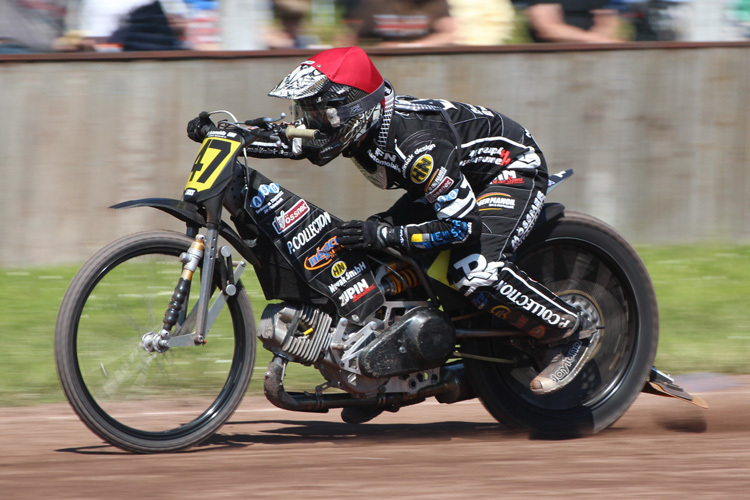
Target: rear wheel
590,265
134,398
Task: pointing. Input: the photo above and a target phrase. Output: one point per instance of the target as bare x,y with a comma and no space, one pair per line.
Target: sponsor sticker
355,292
441,189
338,269
421,169
323,255
445,198
531,216
287,219
507,178
346,276
264,190
496,201
308,233
501,311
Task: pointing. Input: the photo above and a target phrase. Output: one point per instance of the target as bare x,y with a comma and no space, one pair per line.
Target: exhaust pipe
451,389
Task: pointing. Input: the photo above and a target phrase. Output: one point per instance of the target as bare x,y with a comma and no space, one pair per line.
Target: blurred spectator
739,15
488,22
203,31
399,23
590,21
712,20
39,26
290,15
100,18
151,27
651,20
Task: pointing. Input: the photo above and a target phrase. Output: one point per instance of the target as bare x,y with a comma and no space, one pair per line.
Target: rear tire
142,401
587,263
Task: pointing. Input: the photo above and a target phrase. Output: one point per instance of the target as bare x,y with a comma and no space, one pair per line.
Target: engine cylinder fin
297,320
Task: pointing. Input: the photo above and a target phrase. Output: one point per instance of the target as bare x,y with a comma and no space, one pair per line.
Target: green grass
31,298
702,293
703,296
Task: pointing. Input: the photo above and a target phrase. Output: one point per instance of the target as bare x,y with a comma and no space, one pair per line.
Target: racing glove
198,127
271,142
367,235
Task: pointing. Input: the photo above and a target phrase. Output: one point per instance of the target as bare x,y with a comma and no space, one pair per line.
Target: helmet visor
328,114
315,116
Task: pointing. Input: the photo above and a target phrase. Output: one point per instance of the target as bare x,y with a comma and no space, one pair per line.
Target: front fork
205,248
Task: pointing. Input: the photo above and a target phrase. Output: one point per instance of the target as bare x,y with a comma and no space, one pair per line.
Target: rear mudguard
189,214
663,385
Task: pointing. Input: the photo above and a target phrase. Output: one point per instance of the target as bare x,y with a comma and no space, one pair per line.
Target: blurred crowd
29,26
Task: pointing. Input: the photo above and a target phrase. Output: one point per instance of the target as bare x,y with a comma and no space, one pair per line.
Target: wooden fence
658,135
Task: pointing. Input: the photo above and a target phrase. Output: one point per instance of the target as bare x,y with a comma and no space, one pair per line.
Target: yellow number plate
213,157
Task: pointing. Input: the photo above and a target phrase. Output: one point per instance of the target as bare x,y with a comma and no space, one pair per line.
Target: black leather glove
366,235
198,127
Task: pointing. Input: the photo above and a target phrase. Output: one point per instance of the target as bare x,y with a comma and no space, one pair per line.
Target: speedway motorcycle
156,337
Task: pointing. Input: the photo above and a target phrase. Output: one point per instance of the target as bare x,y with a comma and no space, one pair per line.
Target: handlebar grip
293,132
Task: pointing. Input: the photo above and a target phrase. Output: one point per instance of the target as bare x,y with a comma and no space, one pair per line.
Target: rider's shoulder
409,103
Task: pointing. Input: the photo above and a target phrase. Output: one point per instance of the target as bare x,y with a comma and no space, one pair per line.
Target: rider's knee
474,271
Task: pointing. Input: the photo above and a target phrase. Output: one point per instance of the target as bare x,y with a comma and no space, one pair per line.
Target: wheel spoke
132,396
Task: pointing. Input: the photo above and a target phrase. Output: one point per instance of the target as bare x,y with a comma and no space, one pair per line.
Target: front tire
588,264
142,401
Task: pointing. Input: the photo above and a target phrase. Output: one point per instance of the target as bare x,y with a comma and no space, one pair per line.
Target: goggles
320,116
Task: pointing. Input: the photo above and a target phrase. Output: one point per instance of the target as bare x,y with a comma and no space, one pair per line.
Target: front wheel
588,264
132,397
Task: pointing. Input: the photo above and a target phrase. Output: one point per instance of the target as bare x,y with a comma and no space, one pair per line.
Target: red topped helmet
339,92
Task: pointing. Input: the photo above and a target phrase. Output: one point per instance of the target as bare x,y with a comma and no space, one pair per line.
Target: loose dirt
661,448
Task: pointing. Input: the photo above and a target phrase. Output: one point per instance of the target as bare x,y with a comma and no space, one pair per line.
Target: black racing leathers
475,183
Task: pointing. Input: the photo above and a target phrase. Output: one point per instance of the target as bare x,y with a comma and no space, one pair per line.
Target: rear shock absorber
399,279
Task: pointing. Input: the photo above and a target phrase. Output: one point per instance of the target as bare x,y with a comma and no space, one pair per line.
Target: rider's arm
432,177
547,19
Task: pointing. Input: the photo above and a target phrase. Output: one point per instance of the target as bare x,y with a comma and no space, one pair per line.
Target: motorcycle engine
307,335
301,332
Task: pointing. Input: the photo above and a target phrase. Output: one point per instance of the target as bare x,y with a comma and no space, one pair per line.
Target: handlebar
303,133
290,131
266,128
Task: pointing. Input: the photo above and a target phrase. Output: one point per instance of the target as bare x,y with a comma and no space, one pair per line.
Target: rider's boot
566,346
564,356
566,337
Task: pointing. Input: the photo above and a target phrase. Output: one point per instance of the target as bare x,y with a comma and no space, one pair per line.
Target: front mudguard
185,211
189,213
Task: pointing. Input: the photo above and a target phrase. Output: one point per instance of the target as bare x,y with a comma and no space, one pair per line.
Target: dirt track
662,448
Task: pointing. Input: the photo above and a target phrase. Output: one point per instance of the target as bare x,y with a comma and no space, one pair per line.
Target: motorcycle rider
475,183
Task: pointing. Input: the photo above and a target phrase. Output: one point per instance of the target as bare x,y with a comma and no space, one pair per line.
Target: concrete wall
659,136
